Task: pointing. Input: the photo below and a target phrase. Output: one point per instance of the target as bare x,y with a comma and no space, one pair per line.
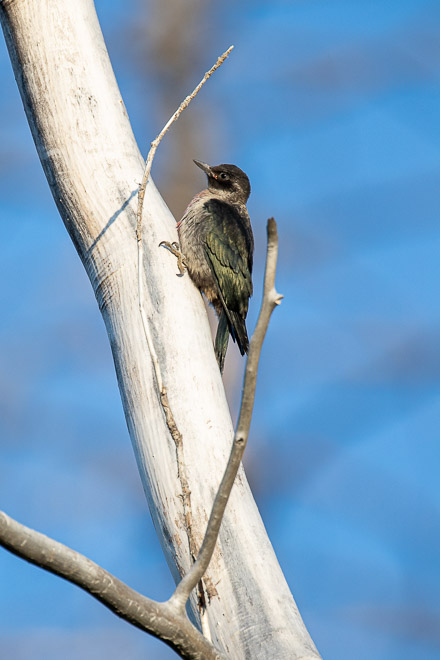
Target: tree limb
161,620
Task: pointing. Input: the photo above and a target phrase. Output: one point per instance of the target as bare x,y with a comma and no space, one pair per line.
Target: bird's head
227,181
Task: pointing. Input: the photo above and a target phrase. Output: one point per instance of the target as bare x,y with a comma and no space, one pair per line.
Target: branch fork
159,619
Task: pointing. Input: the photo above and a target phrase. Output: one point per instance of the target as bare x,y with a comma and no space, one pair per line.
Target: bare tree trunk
93,165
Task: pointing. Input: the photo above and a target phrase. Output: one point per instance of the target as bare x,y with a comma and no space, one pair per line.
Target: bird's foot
174,248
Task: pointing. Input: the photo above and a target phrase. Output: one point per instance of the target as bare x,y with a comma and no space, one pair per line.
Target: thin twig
159,619
271,298
185,103
169,417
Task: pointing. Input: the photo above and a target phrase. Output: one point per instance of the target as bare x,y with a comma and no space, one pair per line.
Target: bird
217,247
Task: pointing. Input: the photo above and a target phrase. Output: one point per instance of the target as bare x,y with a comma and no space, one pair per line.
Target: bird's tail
230,323
239,332
221,340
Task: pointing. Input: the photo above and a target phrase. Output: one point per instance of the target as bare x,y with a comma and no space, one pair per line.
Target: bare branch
158,619
271,298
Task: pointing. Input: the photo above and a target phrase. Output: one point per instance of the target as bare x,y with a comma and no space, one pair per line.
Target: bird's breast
192,236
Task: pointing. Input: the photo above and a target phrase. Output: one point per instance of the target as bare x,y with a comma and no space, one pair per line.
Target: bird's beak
204,167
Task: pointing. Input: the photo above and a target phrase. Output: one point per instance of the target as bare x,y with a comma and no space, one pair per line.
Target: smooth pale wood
93,165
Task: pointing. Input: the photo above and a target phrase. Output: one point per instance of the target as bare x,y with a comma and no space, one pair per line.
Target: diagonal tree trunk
93,166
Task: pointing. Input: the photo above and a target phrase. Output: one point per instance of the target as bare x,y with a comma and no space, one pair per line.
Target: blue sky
332,109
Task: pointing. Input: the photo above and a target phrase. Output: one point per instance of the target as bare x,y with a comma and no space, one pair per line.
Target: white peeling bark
93,166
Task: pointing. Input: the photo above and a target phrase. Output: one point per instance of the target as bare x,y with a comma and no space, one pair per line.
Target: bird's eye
223,176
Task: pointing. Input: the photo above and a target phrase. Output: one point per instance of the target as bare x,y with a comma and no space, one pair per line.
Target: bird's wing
229,252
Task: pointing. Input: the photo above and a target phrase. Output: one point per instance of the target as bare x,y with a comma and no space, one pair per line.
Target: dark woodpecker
217,246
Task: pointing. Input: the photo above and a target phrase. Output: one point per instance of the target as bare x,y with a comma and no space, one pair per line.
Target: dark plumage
217,243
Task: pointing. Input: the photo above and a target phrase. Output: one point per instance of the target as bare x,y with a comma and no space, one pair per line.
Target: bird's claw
174,248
